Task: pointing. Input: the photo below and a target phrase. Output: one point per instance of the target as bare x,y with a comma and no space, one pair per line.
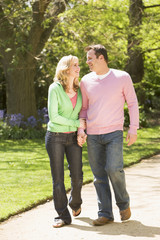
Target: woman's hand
81,139
82,123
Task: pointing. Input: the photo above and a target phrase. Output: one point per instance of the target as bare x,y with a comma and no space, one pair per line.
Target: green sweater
62,116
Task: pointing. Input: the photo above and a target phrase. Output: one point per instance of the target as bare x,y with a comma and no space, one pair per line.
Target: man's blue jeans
105,154
58,144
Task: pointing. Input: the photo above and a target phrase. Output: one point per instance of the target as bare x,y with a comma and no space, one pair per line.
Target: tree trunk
20,90
135,64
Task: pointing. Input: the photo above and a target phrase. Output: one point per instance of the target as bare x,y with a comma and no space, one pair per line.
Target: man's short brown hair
99,50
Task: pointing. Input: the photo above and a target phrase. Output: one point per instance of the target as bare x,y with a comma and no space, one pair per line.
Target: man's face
92,61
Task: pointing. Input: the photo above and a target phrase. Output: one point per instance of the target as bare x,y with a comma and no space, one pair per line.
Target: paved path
143,184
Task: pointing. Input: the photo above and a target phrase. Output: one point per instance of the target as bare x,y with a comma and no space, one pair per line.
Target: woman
64,105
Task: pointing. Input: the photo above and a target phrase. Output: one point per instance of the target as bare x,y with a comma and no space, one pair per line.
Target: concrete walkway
143,184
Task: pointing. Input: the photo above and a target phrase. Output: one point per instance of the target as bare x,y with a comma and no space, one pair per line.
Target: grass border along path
25,179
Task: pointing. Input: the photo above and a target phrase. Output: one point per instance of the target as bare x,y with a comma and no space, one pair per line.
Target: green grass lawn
25,178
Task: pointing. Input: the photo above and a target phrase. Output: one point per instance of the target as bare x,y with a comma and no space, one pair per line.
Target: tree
25,27
85,23
135,65
140,31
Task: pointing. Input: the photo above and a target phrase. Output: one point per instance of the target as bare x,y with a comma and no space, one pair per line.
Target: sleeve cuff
77,123
133,131
80,131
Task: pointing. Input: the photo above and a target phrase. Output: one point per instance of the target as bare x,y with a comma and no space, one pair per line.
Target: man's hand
131,138
81,139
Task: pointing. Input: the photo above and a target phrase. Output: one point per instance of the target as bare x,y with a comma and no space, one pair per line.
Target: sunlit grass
25,178
147,144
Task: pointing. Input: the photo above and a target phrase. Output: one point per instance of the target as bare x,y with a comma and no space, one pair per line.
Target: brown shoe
101,221
76,213
125,214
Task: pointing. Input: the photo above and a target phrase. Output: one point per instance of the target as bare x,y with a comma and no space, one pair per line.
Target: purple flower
46,118
32,122
43,115
1,114
15,119
18,119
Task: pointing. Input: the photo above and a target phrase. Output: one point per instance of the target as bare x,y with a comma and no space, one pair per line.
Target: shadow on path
131,228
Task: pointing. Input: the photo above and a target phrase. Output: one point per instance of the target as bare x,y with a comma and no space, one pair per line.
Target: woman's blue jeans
58,144
105,154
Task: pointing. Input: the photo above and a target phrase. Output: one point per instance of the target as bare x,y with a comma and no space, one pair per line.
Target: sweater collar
104,75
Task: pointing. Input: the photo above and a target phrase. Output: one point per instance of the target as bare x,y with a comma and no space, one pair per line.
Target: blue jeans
105,154
58,144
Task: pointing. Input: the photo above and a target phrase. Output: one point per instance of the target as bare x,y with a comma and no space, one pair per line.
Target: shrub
14,126
142,117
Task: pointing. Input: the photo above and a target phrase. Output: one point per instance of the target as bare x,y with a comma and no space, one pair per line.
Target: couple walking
93,111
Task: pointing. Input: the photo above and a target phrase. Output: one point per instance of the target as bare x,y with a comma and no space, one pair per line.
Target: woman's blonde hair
61,75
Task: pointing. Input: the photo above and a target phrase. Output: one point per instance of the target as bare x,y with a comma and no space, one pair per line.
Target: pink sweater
103,102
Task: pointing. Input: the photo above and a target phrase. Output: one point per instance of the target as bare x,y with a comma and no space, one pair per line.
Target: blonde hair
61,74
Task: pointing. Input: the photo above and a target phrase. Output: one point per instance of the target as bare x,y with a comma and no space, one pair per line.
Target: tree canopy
83,22
25,26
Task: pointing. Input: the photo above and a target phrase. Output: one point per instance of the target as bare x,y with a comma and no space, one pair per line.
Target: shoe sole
101,224
75,214
59,224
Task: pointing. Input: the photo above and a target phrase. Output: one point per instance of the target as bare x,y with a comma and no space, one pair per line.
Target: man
104,92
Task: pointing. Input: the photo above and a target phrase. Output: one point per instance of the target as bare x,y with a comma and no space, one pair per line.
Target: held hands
130,139
81,139
82,123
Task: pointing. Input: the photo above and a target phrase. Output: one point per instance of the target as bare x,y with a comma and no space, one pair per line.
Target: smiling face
93,61
74,68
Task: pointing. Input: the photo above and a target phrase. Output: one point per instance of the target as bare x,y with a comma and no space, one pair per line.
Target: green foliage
105,22
142,117
82,24
9,132
150,35
85,22
150,31
19,14
14,126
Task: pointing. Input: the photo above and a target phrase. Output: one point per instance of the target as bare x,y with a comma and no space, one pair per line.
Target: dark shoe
101,221
125,214
76,213
58,223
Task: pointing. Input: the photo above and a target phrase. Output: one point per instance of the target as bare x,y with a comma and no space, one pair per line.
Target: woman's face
74,69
